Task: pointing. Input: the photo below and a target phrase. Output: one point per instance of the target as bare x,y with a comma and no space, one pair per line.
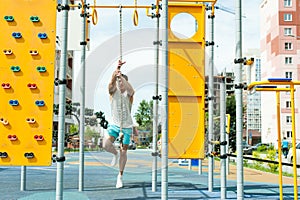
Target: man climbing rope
121,97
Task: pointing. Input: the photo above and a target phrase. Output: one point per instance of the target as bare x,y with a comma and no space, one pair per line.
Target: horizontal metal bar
123,6
273,89
266,86
279,79
183,1
114,6
262,160
251,85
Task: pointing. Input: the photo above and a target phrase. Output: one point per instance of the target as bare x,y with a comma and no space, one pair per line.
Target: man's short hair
126,77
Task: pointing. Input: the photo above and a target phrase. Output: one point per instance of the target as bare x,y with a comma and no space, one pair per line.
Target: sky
139,51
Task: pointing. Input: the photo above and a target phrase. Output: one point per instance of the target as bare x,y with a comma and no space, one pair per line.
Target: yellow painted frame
186,87
253,86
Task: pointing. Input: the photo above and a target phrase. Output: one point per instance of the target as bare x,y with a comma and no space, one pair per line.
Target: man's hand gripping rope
120,63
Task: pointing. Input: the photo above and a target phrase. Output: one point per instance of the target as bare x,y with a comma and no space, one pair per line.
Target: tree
90,133
231,109
144,115
74,128
93,122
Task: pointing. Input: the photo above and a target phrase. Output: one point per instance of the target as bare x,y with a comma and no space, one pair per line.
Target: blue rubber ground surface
100,179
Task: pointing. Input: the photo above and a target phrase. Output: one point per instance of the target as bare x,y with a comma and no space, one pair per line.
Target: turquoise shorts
114,131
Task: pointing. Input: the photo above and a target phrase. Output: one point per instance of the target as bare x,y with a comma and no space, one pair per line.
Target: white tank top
121,109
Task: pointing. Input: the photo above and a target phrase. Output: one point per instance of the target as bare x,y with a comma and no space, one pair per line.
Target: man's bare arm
127,86
112,87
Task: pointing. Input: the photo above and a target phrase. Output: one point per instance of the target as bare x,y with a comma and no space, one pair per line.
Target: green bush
261,148
271,147
272,156
245,161
257,164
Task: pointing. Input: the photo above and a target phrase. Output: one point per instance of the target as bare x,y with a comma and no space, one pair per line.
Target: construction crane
223,8
231,11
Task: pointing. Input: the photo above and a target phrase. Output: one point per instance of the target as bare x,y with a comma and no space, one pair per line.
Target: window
288,104
288,46
288,74
287,3
288,60
288,119
288,17
289,134
288,31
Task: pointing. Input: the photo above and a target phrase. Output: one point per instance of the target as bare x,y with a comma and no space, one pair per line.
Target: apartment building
217,81
280,43
252,102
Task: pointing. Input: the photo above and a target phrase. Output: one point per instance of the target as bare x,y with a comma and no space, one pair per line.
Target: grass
258,165
265,169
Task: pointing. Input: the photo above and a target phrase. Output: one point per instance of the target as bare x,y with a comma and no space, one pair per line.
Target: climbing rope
121,42
119,67
121,116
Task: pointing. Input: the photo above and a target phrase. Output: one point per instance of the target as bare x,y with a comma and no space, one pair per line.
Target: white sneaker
119,182
115,160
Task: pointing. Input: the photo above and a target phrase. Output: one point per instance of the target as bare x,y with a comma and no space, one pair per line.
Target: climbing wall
27,55
186,128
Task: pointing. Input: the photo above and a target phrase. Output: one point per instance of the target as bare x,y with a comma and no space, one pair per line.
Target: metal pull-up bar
123,6
94,14
271,85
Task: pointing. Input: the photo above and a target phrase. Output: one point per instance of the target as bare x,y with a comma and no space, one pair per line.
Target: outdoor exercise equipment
272,85
186,86
180,98
27,40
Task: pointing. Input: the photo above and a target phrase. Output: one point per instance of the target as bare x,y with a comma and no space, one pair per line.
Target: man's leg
123,156
108,145
285,152
122,163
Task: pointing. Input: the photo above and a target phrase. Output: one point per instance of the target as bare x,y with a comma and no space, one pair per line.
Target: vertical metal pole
228,158
62,103
248,80
279,143
190,164
200,167
239,103
23,178
82,102
294,141
155,113
227,134
165,65
210,108
223,136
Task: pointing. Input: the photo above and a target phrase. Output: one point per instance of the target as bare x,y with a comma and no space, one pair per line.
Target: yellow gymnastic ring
94,16
135,18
